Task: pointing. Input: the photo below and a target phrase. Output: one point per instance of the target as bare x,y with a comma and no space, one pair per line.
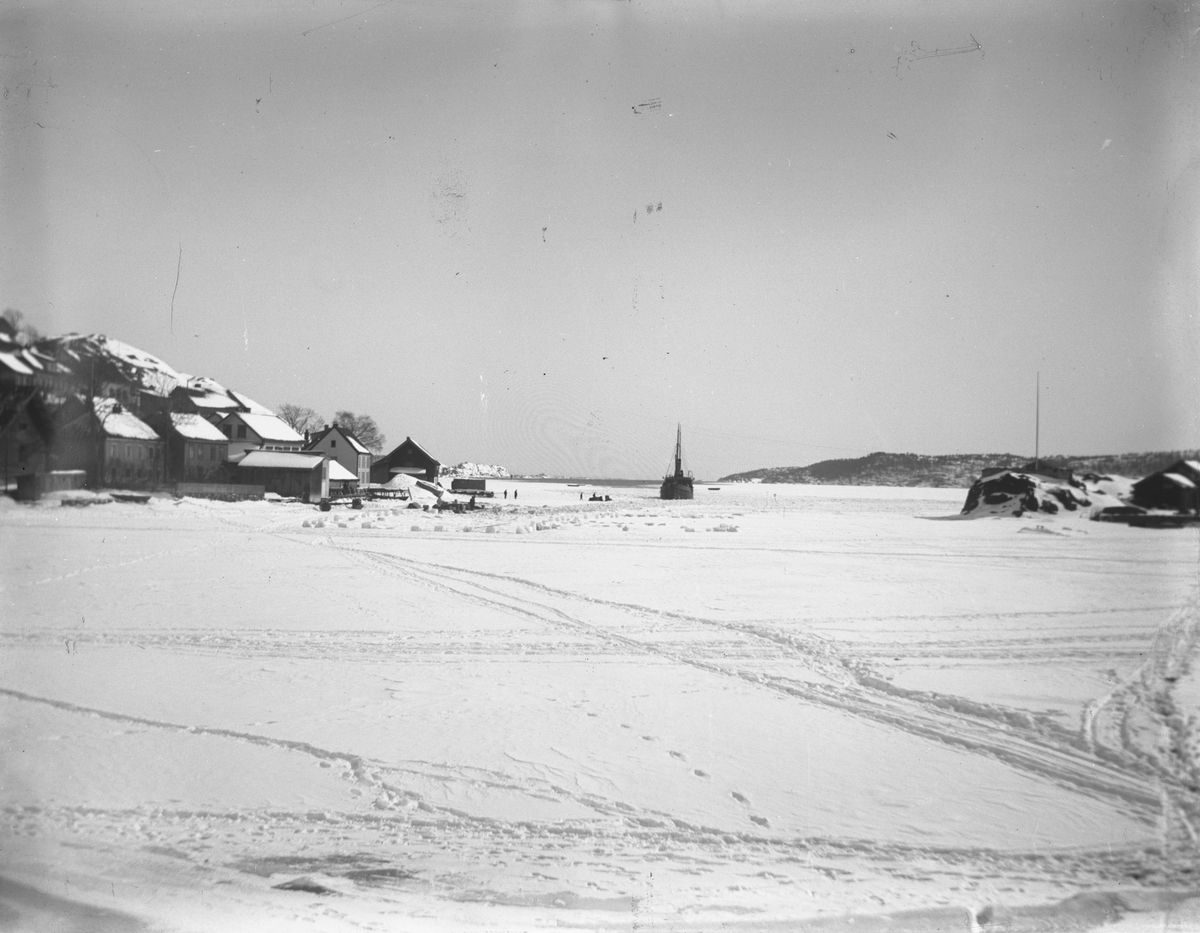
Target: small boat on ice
677,485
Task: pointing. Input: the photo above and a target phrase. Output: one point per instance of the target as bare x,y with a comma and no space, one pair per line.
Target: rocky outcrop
1008,492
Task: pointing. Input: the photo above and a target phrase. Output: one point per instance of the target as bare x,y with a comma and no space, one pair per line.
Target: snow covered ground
769,708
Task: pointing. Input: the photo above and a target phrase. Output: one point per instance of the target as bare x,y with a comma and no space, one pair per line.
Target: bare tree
363,427
300,418
25,334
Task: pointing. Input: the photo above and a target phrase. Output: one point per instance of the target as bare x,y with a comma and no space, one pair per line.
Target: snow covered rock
1015,492
469,470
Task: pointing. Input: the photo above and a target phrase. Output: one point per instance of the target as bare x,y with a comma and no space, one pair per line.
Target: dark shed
1176,488
408,458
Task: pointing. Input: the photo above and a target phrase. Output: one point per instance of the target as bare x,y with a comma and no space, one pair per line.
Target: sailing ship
677,485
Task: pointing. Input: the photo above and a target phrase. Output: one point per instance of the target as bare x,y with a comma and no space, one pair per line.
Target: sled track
622,835
1012,737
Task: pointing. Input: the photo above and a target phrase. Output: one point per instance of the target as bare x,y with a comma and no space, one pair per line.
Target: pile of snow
78,497
469,470
1016,492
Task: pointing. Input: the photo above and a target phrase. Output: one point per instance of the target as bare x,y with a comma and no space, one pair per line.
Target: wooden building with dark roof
1177,488
408,458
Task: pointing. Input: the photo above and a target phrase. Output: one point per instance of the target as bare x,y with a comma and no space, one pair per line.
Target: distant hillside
955,470
469,470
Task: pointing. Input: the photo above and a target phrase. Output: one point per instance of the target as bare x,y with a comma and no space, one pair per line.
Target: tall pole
1037,423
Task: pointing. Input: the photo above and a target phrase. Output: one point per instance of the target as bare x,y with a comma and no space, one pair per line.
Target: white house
248,431
338,444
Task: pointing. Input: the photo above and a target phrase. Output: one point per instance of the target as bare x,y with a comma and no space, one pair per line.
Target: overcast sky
878,221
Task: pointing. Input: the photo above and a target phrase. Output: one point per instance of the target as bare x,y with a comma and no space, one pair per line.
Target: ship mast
678,449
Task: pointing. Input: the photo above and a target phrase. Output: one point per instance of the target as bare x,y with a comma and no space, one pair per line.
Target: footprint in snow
700,773
738,797
678,755
647,738
760,820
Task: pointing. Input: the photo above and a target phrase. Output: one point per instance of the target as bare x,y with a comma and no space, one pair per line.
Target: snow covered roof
196,428
339,472
118,421
1179,480
248,402
270,428
280,459
1194,464
359,447
13,362
206,392
215,400
201,382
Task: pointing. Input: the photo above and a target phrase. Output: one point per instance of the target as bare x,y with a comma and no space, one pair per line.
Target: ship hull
676,487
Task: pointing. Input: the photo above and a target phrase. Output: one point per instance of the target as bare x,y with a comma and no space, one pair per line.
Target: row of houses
128,421
240,448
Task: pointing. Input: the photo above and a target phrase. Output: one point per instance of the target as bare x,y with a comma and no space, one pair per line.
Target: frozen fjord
837,708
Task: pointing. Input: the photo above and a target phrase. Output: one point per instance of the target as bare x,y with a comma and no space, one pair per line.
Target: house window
241,432
333,442
212,453
128,451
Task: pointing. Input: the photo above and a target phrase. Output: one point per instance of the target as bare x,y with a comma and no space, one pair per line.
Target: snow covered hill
888,469
469,470
96,356
141,368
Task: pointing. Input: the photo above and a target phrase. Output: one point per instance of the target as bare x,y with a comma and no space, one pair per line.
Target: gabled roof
214,400
32,359
248,402
280,459
196,428
413,445
339,472
206,392
355,444
1179,480
118,421
13,362
268,427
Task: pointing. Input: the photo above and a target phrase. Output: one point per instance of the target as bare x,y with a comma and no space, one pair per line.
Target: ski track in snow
1015,738
1134,750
